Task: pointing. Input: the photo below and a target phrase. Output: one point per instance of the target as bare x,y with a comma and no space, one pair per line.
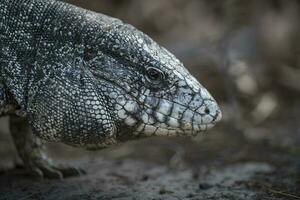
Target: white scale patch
160,117
122,114
194,85
164,107
177,111
173,122
205,94
130,106
130,121
201,110
206,119
149,130
145,118
188,115
162,131
197,119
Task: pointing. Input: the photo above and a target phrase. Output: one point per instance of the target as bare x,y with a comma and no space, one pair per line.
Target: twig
283,193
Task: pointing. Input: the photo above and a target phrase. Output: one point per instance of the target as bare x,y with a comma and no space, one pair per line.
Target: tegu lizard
89,80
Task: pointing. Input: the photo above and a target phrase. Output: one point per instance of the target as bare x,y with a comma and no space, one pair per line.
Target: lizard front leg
32,152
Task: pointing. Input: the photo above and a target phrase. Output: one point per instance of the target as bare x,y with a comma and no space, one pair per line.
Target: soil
213,166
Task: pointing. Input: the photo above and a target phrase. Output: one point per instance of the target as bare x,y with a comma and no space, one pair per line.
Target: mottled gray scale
77,114
90,80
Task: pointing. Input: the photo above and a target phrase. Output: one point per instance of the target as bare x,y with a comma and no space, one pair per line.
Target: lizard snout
210,112
206,116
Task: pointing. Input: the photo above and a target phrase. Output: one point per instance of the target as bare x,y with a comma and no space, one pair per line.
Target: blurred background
247,53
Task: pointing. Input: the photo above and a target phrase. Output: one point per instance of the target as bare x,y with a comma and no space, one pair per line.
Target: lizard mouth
164,129
170,131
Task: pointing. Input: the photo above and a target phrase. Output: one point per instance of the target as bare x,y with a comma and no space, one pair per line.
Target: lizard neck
20,23
27,42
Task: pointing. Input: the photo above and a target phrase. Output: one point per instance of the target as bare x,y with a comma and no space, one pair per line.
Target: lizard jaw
184,129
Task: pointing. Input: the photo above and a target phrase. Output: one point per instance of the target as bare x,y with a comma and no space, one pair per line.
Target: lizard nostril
207,111
218,116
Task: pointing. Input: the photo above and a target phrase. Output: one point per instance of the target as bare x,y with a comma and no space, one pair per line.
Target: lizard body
89,80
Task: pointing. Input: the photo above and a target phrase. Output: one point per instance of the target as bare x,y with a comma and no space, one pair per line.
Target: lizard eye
154,75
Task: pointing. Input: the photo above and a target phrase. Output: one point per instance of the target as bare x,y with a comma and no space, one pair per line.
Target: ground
212,166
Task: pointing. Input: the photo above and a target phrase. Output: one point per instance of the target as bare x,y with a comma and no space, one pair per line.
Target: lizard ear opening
68,107
89,53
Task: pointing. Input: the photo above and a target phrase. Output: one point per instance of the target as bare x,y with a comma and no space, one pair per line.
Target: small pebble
204,186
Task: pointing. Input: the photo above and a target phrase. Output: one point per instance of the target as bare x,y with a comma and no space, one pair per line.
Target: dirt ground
212,166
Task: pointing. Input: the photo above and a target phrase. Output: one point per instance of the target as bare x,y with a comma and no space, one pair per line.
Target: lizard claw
50,171
68,171
46,172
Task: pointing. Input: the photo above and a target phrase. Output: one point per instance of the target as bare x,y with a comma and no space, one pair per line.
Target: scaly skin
89,80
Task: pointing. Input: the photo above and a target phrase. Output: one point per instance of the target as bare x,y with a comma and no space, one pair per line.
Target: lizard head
151,90
108,82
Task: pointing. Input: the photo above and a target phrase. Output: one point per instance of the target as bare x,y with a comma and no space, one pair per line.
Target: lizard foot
33,154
